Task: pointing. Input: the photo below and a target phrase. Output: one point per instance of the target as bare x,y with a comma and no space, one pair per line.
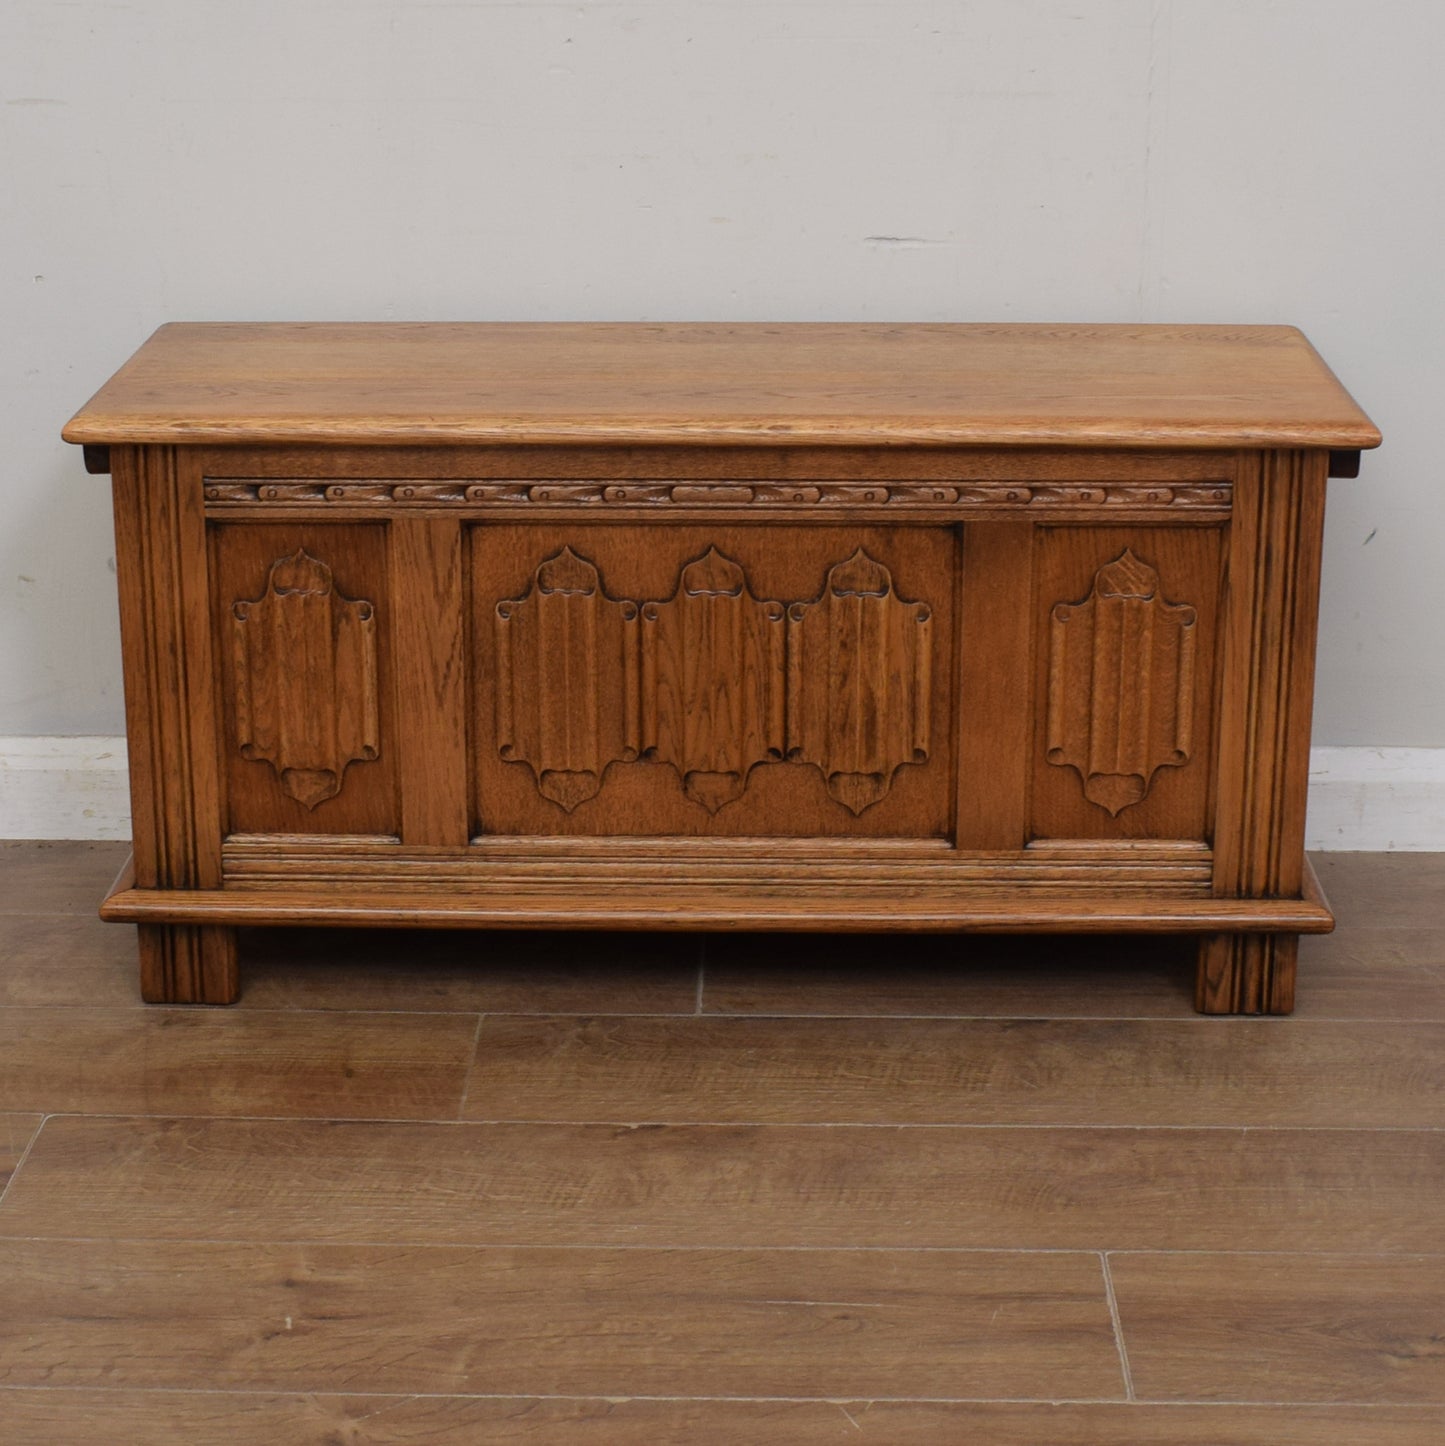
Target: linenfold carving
566,688
305,679
859,660
1121,684
712,680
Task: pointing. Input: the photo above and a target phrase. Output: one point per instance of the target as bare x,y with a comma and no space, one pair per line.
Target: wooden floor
655,1189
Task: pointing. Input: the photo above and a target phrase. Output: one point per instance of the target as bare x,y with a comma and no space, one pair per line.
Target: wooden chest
934,627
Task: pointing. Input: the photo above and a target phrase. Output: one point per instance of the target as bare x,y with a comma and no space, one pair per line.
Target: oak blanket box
781,627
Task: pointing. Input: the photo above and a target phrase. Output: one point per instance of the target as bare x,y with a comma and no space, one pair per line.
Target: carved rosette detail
712,680
1121,684
304,661
859,661
566,689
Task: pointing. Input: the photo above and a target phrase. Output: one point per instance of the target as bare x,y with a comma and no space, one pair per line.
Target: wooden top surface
775,383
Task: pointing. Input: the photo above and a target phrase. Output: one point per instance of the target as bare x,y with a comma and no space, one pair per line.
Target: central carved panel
859,661
713,680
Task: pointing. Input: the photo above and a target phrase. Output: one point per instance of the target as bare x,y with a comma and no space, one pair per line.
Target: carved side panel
305,679
566,689
859,682
712,680
1121,684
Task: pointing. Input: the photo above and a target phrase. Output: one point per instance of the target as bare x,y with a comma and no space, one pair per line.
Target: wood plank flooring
644,1189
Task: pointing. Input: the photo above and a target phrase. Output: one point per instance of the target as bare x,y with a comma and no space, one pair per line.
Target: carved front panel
1121,684
712,680
566,679
301,624
1124,649
780,682
305,678
859,697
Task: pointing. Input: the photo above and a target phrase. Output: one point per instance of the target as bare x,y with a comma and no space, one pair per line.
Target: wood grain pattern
57,876
709,684
42,1417
686,904
860,694
1267,690
188,963
994,717
1121,684
1325,1328
338,462
712,680
588,1322
706,679
81,962
16,1133
846,383
353,1211
696,675
171,718
425,565
1388,891
1124,721
129,1061
1373,974
1351,974
749,1186
330,674
305,678
66,959
937,1071
170,710
1054,976
457,971
636,497
566,685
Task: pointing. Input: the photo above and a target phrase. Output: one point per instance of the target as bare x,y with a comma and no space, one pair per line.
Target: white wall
1243,160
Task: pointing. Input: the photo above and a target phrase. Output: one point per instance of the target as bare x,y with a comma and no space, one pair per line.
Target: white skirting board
64,788
1377,800
1361,799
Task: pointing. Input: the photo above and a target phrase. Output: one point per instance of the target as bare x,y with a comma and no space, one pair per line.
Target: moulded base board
1361,799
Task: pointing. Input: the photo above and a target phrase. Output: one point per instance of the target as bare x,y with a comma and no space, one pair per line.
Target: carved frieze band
1007,497
304,663
712,681
1121,684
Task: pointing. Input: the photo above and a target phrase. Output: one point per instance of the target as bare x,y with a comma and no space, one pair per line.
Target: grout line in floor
587,1247
691,1013
467,1070
1114,1318
299,1392
737,1124
713,1248
24,1156
1195,1021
